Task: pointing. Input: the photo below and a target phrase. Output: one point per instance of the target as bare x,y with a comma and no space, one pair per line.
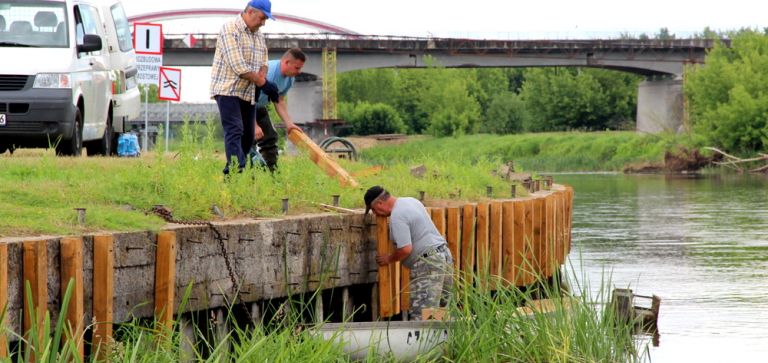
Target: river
700,243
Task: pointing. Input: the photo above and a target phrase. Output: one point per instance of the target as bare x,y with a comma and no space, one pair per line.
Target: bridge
662,62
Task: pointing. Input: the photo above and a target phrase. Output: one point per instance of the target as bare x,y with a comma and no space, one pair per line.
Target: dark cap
371,195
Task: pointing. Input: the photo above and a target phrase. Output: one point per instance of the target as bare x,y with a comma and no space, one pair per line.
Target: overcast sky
491,18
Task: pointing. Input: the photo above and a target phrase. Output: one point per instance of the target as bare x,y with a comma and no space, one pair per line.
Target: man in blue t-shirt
282,73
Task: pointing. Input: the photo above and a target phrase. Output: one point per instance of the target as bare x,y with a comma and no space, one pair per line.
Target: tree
506,114
728,98
378,118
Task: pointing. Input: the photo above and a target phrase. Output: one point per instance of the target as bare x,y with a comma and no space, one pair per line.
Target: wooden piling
453,236
103,292
386,308
468,242
538,241
481,237
165,278
518,258
495,231
529,253
71,260
3,297
438,218
36,274
405,288
508,242
547,237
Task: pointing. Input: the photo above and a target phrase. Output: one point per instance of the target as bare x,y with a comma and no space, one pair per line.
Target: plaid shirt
238,51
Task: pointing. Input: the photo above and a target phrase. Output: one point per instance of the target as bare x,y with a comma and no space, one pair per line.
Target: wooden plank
481,236
395,273
71,259
321,159
538,242
405,288
548,236
165,278
468,242
35,255
495,230
103,293
453,236
518,261
386,309
438,218
3,297
508,243
569,218
561,246
529,252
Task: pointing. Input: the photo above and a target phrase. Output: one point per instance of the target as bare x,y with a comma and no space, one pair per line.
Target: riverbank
543,152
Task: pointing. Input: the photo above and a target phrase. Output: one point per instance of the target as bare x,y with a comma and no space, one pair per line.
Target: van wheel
73,146
103,146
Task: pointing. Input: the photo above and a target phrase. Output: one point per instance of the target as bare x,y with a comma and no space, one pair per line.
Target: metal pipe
285,205
335,200
489,190
513,191
421,196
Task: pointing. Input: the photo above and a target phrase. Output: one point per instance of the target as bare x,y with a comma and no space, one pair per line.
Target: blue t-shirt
274,75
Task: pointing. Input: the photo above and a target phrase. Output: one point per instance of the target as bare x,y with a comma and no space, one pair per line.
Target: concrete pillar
660,106
305,101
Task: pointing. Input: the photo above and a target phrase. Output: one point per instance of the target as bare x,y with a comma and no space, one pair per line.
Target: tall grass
556,151
43,189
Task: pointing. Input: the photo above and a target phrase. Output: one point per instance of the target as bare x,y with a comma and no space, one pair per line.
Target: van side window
121,27
87,21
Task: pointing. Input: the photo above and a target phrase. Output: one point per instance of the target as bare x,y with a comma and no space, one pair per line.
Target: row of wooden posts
35,272
502,243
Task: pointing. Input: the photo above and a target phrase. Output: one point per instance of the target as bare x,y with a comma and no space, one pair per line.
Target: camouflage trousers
431,281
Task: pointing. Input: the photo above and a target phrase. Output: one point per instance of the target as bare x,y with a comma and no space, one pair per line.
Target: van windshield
33,24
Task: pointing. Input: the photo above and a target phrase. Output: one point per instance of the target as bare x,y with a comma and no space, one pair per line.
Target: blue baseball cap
264,5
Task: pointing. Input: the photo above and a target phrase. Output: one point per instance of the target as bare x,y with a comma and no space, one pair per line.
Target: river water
700,243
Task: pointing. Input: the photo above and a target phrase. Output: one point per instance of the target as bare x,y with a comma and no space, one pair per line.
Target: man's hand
258,133
383,260
289,125
269,89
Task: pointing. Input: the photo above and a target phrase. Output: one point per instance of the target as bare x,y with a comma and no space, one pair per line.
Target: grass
550,152
488,328
43,190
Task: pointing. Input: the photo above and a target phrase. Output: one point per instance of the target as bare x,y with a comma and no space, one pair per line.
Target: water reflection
701,243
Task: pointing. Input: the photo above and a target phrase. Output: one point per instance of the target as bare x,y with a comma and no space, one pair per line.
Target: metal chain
167,215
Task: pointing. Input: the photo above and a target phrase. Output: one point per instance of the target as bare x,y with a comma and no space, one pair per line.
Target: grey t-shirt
409,224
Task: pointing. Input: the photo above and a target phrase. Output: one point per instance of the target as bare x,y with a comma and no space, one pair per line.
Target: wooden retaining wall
503,243
119,276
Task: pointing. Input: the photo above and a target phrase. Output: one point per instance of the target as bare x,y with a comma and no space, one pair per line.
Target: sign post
148,44
169,89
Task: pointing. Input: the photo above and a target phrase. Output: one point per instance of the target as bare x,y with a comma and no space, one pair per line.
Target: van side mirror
91,43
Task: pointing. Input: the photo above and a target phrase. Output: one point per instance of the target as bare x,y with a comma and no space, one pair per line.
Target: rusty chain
167,215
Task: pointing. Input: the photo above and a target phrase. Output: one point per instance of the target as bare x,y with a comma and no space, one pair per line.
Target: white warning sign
170,84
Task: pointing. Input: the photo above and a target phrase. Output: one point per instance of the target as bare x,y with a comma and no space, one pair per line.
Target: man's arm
399,255
258,77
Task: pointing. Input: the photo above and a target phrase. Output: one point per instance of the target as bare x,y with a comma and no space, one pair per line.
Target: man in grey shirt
420,247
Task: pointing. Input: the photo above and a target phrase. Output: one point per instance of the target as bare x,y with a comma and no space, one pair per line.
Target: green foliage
370,119
563,151
728,99
154,96
506,114
583,99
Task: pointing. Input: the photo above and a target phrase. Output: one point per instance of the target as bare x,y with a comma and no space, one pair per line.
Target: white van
63,78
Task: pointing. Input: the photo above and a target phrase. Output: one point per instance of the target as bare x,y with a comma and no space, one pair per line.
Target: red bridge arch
196,13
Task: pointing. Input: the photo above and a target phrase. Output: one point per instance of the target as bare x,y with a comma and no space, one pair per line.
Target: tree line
726,98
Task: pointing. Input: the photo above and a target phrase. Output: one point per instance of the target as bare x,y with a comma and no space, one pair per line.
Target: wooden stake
405,289
481,235
103,292
508,242
452,236
518,244
495,241
468,242
72,270
36,273
529,254
438,218
383,247
165,278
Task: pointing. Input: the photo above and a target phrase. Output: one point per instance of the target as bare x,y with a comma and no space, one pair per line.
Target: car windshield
33,24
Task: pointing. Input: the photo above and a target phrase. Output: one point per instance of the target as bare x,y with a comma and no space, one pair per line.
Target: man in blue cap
239,70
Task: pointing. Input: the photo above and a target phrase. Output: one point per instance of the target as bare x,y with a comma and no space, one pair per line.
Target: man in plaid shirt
239,69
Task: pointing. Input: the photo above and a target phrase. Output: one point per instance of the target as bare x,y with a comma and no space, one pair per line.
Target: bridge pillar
305,101
660,105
